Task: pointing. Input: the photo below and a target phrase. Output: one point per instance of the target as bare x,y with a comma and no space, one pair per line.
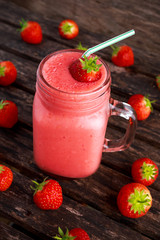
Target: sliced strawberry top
86,70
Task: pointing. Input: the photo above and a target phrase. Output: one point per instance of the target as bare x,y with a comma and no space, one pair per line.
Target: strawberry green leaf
90,64
115,50
64,236
148,171
67,27
80,47
139,200
2,104
2,71
39,186
148,102
1,169
23,24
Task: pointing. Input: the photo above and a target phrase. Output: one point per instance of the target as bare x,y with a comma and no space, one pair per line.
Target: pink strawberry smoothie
56,73
67,137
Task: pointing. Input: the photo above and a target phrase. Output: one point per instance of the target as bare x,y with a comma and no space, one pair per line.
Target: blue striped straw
108,43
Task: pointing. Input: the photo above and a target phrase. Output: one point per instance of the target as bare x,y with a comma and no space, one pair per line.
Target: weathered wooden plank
9,233
45,223
112,22
99,190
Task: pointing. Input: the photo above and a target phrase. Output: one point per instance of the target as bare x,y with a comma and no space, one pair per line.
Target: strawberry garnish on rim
86,69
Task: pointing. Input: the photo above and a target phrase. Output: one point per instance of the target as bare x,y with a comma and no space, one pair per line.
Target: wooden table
88,203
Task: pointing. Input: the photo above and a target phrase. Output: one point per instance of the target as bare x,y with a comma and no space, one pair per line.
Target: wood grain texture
9,233
100,190
104,19
45,223
26,81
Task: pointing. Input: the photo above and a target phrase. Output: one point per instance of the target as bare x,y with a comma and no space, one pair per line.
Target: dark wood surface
88,203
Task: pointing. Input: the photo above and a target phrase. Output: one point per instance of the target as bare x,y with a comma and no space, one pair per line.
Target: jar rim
50,89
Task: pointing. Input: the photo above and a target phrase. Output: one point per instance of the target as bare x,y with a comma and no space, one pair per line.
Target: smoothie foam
56,73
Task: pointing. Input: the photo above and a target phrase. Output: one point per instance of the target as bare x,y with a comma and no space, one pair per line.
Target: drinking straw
108,42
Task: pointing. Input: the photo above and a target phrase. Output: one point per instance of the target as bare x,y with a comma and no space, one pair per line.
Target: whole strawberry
122,56
134,200
158,81
144,171
6,177
48,194
8,114
86,70
74,234
68,29
8,73
31,32
142,105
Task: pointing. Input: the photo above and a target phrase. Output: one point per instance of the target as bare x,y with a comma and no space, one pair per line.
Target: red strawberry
48,194
158,81
8,114
68,29
74,234
86,70
142,105
31,32
8,73
6,177
134,200
144,171
122,56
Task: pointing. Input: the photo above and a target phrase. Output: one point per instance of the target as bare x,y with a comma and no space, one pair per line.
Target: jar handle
123,110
